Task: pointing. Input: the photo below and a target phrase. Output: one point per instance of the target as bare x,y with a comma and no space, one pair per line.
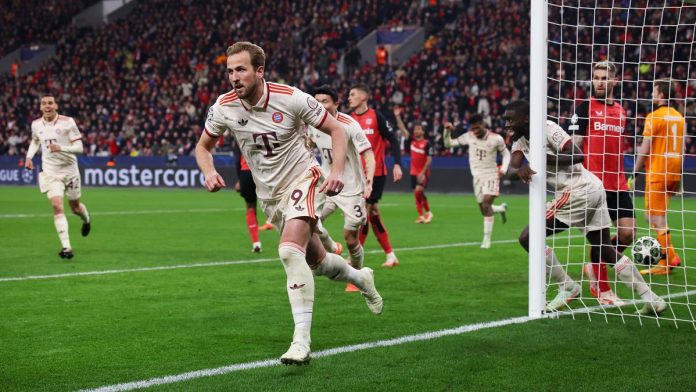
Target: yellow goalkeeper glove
630,182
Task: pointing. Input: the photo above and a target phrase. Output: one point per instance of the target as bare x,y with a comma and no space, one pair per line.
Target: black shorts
414,182
377,189
247,187
620,205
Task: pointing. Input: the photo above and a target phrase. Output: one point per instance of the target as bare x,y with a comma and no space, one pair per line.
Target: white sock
84,214
61,223
336,268
326,240
497,209
300,287
487,228
556,271
628,273
357,257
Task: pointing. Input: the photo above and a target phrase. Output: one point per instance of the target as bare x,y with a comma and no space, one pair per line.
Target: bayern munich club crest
277,117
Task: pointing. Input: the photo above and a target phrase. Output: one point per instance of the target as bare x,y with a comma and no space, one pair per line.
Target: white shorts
353,208
59,185
297,202
585,209
489,185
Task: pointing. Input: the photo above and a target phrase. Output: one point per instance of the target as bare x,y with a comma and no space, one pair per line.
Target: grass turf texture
88,331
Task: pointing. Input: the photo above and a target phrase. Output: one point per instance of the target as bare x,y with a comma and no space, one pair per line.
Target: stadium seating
141,85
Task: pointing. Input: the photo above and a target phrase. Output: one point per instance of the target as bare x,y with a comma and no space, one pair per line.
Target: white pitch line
136,212
319,354
219,263
129,212
171,379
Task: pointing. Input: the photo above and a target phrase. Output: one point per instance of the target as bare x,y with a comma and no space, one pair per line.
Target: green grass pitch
73,332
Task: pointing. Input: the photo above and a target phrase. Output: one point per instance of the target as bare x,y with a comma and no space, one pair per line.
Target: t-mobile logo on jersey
267,143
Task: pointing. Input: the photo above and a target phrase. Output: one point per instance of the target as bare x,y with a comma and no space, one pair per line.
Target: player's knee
289,254
626,235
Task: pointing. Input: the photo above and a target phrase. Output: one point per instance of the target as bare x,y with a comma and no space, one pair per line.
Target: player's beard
249,91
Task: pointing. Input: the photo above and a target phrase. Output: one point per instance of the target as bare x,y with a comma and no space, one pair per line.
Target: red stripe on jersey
227,99
323,119
280,87
344,120
211,134
76,139
279,91
310,197
558,204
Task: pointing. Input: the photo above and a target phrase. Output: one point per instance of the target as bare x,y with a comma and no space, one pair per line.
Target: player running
358,185
268,121
421,159
60,140
597,127
379,133
484,147
580,201
661,152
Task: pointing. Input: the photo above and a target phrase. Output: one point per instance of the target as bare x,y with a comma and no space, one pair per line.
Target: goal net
646,41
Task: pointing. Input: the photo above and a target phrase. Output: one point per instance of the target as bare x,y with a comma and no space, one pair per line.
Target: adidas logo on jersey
296,286
243,122
299,208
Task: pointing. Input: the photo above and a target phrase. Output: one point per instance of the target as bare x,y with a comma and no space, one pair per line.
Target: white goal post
647,41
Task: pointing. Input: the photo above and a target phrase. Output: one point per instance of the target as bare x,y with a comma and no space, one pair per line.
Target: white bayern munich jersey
483,153
62,131
353,175
271,134
568,178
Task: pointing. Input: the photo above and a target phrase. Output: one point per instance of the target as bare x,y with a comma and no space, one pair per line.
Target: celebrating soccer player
421,159
484,147
59,140
597,128
661,152
358,185
268,120
580,201
379,133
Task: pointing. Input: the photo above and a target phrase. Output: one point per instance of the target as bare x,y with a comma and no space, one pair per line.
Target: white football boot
297,354
564,297
369,291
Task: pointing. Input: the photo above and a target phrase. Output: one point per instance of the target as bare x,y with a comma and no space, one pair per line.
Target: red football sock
419,204
424,202
601,273
364,230
380,232
252,225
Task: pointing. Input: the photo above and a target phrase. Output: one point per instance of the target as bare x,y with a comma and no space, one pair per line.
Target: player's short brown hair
476,118
360,87
605,65
258,56
45,94
665,88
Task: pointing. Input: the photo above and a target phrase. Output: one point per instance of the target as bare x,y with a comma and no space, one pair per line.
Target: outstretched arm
524,172
213,180
334,182
447,137
400,123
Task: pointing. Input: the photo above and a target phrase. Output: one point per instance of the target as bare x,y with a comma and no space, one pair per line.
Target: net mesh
646,40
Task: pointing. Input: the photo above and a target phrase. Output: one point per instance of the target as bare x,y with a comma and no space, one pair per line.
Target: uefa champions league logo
27,176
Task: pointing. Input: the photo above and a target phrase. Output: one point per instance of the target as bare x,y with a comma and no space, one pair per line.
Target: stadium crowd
138,87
